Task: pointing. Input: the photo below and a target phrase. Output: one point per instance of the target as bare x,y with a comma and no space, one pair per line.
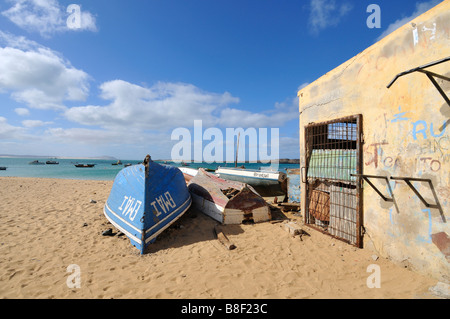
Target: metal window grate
333,155
332,161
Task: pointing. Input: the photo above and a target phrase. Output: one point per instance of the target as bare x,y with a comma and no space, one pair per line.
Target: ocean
102,171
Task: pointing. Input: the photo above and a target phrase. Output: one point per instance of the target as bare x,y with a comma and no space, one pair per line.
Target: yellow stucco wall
405,135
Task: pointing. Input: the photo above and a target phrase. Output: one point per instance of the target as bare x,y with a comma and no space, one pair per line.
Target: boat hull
145,200
189,173
230,203
266,183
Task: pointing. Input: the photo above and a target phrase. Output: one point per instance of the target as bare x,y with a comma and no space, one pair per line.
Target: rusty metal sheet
319,205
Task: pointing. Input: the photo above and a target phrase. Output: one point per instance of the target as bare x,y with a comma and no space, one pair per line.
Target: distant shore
280,161
111,158
59,157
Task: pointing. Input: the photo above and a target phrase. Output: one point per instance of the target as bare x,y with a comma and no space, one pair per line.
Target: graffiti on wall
428,141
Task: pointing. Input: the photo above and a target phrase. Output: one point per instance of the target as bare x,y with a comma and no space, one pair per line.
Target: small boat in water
265,182
36,163
146,199
52,163
3,168
228,202
84,165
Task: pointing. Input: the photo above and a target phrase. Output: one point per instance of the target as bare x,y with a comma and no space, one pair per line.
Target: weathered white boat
266,183
188,173
228,202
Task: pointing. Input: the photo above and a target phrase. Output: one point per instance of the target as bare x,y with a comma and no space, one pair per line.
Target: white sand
42,226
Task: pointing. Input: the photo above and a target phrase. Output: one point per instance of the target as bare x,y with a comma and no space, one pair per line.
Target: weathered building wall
406,134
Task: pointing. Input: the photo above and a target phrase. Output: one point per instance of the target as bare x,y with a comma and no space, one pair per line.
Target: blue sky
126,76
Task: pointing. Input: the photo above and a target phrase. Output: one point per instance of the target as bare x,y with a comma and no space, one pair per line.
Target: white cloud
326,13
45,16
38,76
162,106
34,123
18,42
421,7
105,136
165,106
81,135
22,111
8,131
283,112
136,116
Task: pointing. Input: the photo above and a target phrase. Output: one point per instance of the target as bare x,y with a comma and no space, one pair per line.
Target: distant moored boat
36,163
84,165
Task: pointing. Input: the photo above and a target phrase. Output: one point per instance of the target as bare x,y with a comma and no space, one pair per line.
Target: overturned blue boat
146,199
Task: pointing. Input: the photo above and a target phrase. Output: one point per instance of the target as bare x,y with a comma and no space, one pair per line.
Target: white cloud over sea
168,105
37,76
40,80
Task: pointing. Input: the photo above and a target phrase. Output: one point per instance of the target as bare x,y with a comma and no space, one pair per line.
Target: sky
90,78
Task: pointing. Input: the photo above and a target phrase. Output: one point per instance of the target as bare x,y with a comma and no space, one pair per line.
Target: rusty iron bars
333,156
431,76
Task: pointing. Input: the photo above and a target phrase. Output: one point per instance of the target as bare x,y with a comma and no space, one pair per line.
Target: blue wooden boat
146,199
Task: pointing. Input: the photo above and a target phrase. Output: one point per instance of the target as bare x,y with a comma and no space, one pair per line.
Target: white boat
266,182
228,202
189,171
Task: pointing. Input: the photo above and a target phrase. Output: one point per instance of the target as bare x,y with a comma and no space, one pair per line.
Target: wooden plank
223,238
290,204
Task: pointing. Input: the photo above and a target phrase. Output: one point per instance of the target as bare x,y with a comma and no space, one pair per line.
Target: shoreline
49,224
111,158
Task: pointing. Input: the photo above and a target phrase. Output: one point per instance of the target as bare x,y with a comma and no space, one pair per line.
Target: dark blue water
103,170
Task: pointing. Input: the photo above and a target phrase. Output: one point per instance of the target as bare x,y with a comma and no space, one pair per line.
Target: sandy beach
49,224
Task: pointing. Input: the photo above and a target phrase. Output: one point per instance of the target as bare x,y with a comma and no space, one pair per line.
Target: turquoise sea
103,169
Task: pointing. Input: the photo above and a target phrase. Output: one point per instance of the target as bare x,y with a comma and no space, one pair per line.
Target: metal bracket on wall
366,178
430,75
408,181
386,199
